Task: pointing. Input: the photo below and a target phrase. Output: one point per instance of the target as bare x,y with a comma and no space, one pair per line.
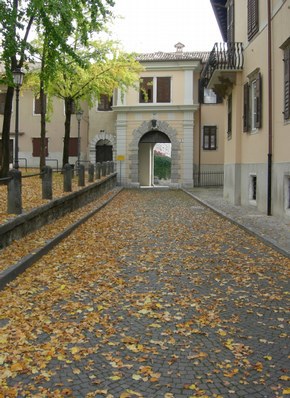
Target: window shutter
287,83
37,103
163,89
105,103
36,147
200,92
73,146
259,101
2,103
246,107
253,18
230,20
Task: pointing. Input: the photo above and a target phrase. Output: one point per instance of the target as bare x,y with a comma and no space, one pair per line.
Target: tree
59,19
162,166
107,69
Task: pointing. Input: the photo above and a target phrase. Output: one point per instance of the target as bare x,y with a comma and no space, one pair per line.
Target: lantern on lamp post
18,80
79,115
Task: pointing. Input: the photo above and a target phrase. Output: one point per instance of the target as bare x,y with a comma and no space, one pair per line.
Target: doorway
146,146
104,151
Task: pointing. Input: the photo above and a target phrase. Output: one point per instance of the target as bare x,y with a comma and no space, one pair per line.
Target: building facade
165,106
251,70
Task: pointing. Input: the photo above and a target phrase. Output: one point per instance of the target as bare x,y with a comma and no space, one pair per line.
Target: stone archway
138,133
101,137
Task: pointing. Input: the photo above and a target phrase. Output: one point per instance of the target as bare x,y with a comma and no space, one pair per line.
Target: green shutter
259,101
246,108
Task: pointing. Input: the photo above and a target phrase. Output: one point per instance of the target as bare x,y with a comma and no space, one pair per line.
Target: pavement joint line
9,274
251,231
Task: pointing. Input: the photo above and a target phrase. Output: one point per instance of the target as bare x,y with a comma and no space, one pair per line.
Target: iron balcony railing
223,56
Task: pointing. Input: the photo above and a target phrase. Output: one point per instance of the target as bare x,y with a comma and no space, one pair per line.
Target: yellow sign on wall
120,157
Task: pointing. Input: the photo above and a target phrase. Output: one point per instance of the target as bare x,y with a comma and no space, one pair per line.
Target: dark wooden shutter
105,103
230,22
253,18
258,123
36,147
37,103
246,123
287,83
163,89
146,90
200,91
73,146
2,103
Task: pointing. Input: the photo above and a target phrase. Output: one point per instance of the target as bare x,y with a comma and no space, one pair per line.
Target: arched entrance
142,130
146,155
99,144
104,151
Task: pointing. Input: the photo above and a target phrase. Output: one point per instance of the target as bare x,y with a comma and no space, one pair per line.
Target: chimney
179,47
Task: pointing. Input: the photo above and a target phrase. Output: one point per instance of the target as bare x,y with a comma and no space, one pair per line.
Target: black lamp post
18,80
79,115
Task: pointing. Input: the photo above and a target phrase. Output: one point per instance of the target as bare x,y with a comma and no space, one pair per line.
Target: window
230,105
209,137
163,89
253,103
73,146
146,90
36,147
287,83
253,188
230,21
2,103
105,103
253,18
37,103
155,90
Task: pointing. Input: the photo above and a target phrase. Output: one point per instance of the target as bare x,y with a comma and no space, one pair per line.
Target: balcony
219,73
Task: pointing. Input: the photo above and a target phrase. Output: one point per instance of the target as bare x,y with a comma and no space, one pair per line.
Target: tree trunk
6,132
68,111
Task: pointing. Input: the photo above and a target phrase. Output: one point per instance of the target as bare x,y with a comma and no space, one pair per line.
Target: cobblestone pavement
155,296
274,230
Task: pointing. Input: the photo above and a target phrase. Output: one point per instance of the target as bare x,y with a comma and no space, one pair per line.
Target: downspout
270,99
199,138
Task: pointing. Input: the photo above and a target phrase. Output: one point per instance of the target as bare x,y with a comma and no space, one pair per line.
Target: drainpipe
270,136
199,138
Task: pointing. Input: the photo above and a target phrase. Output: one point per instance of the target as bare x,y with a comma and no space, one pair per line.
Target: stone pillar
14,192
46,182
98,171
67,178
108,168
91,172
104,169
81,181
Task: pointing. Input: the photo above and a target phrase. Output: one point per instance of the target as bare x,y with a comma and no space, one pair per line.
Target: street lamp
18,80
79,115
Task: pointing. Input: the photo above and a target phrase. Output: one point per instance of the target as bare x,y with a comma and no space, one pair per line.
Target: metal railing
208,179
223,56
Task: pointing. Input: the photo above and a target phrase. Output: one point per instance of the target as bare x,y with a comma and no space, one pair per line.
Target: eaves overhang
220,11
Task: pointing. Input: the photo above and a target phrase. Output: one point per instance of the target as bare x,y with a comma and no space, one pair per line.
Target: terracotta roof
174,56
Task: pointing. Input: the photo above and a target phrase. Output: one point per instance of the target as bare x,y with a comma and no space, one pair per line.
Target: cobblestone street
155,296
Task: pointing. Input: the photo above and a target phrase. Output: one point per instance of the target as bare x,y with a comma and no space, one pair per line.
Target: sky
157,25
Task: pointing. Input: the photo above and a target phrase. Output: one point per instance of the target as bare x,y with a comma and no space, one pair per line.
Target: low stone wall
33,220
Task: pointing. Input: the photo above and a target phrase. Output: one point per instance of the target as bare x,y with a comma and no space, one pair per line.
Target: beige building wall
246,154
29,128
